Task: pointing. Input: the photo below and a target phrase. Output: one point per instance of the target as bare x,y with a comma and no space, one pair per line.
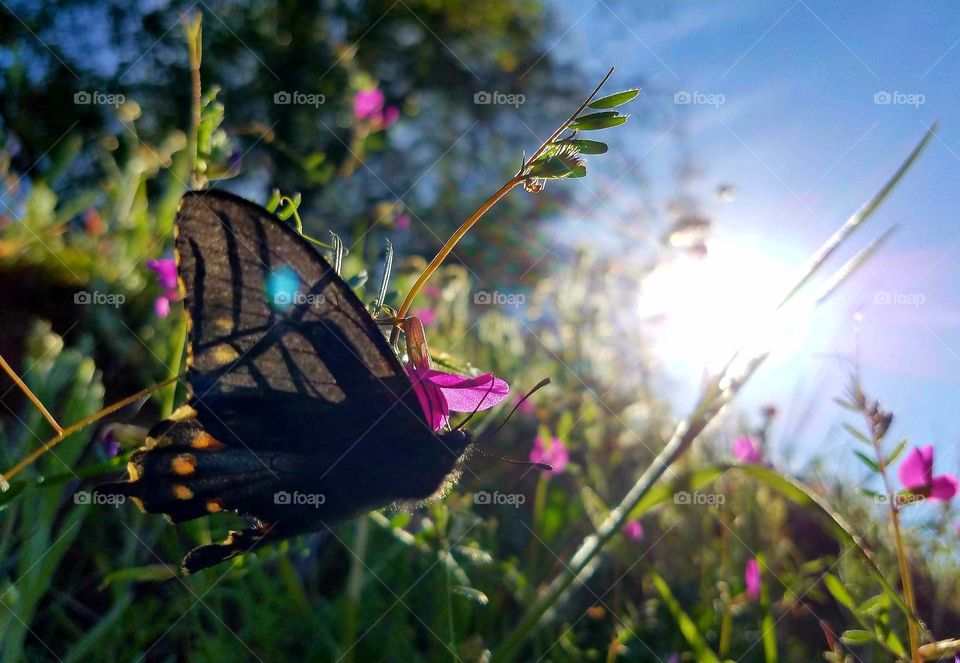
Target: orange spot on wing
184,464
181,492
204,441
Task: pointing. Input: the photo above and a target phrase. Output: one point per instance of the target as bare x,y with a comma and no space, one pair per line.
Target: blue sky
804,135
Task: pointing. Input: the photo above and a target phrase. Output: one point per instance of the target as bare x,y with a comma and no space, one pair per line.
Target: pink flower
751,576
555,454
427,315
633,530
402,222
368,106
389,115
747,450
166,270
916,475
441,393
367,102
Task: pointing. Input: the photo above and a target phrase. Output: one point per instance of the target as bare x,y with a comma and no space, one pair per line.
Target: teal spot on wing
282,288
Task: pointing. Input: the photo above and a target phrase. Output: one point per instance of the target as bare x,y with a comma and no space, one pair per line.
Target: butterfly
299,414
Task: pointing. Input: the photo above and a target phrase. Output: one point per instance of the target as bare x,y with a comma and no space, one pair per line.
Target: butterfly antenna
537,387
540,466
80,425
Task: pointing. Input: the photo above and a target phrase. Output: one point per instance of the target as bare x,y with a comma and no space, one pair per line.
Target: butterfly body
299,414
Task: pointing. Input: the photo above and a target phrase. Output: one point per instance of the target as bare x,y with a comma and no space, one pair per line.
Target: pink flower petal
747,450
166,270
389,115
916,470
431,398
633,530
555,454
367,102
944,487
426,315
751,576
465,394
161,307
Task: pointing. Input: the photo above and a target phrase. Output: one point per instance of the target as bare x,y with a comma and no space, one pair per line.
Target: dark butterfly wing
294,390
273,328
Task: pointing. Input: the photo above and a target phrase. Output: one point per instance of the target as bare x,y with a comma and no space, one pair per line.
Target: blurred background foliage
90,193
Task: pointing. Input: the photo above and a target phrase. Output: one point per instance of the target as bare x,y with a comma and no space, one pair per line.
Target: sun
702,310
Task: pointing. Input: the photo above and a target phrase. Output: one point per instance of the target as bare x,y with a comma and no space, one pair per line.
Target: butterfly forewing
273,324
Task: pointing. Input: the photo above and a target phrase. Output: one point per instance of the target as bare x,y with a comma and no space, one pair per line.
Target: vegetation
649,539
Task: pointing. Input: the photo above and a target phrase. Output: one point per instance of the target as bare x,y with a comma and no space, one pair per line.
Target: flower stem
194,47
905,578
447,248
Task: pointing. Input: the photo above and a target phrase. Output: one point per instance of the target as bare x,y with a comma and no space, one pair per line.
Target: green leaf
838,591
897,450
803,496
149,573
551,168
873,604
687,627
856,637
615,99
839,237
857,434
585,146
866,460
847,405
769,638
595,121
472,594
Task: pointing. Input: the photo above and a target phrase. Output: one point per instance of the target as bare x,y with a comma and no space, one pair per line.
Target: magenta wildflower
441,393
747,450
426,315
402,222
368,108
633,530
166,271
367,102
751,575
554,453
916,475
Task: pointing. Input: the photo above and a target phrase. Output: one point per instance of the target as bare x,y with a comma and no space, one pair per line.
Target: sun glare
705,309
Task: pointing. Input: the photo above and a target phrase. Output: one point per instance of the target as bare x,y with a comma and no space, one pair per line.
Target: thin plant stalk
29,394
80,425
717,394
465,227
